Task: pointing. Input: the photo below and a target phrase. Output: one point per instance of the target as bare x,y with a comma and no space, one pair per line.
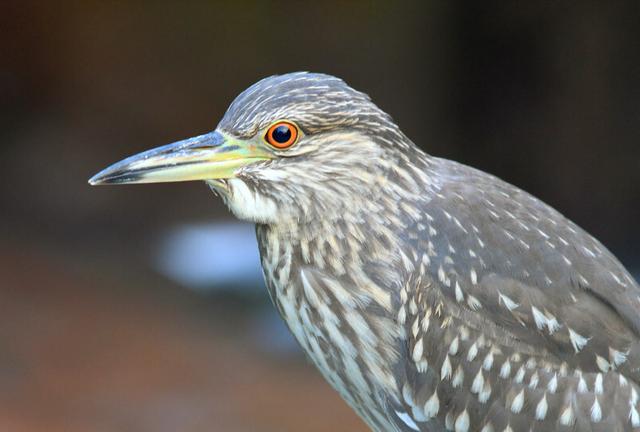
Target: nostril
230,148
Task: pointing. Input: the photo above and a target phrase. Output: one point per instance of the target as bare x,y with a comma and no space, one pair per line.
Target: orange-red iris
282,135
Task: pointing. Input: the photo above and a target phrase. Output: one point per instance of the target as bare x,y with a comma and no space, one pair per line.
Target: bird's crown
316,102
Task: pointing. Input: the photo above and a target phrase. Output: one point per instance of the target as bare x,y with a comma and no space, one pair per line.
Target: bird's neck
361,241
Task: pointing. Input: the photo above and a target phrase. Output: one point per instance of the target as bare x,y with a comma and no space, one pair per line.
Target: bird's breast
344,324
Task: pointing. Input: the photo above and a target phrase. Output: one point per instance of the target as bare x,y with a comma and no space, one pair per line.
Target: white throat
247,204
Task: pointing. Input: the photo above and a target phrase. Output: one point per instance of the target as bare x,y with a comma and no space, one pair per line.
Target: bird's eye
282,135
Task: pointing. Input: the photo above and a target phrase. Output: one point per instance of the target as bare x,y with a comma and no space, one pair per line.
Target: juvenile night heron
432,296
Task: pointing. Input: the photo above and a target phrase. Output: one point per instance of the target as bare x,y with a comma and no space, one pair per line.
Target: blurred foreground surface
85,348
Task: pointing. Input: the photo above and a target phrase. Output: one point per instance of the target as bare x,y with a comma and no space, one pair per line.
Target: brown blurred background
141,308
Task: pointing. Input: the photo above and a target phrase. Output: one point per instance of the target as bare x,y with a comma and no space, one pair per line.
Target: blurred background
142,308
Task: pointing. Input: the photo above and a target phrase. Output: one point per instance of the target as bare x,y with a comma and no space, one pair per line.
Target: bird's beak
206,157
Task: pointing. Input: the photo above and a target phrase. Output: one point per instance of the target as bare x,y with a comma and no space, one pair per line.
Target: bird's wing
513,303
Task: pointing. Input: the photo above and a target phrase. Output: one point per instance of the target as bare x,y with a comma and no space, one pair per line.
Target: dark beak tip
97,180
105,177
113,177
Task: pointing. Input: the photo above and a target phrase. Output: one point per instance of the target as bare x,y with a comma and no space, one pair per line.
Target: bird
432,296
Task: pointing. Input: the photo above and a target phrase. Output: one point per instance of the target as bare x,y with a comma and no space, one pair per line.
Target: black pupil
281,134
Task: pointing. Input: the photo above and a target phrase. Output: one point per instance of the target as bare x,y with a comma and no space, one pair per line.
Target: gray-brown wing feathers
540,320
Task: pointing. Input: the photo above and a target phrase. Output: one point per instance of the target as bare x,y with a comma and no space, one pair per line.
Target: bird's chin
244,202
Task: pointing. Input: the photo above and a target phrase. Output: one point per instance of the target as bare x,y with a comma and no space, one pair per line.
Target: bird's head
294,146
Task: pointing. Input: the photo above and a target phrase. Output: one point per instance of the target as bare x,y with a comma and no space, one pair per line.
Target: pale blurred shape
211,256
